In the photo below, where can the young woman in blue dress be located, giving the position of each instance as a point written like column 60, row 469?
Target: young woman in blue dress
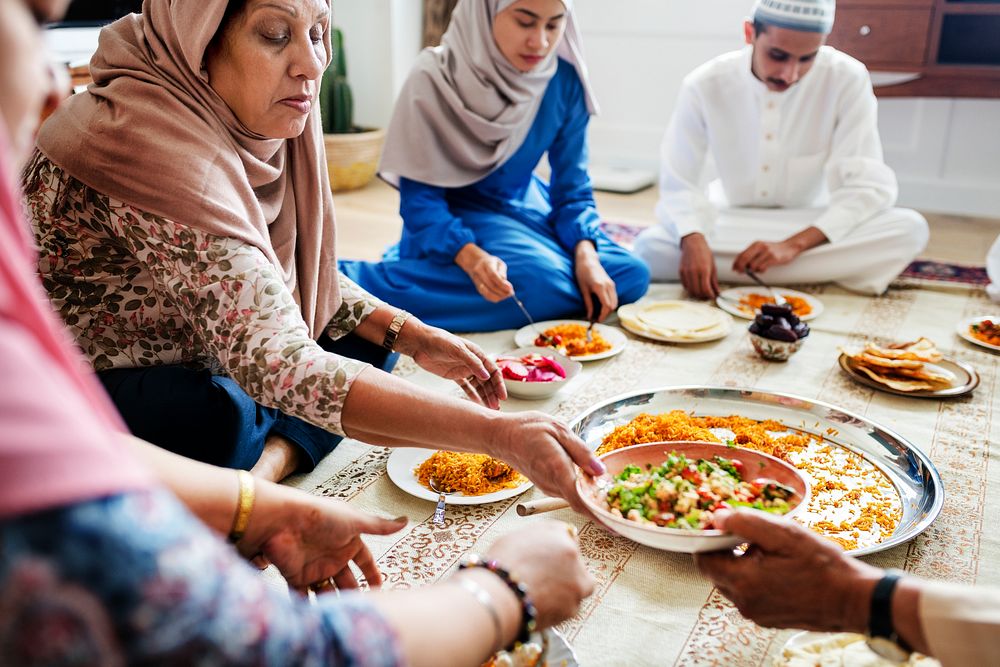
column 507, row 86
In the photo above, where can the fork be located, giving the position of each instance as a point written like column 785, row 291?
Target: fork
column 778, row 299
column 438, row 519
column 541, row 334
column 594, row 302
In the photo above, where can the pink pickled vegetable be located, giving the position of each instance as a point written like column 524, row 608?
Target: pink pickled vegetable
column 531, row 368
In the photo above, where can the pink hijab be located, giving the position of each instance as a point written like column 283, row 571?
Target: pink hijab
column 59, row 433
column 152, row 133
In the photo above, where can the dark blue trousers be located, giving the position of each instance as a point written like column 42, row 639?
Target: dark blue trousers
column 210, row 418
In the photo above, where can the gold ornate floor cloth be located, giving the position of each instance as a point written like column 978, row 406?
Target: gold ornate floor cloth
column 653, row 608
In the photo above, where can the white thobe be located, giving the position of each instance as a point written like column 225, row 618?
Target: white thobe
column 961, row 623
column 741, row 163
column 993, row 270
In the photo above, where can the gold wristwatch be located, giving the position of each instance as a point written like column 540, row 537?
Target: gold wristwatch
column 392, row 331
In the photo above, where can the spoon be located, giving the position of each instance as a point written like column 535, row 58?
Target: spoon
column 438, row 519
column 778, row 299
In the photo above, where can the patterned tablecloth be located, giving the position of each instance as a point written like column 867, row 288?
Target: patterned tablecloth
column 652, row 607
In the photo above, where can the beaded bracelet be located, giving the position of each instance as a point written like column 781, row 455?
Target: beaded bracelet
column 529, row 616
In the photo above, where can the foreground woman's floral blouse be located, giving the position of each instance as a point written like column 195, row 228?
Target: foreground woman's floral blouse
column 135, row 579
column 138, row 290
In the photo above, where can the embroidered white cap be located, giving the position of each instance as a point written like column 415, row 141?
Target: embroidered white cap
column 805, row 15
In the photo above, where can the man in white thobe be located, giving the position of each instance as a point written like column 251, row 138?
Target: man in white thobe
column 772, row 163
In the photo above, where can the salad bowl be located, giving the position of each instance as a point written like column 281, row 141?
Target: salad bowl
column 755, row 466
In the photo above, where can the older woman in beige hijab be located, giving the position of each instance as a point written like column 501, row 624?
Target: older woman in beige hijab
column 94, row 543
column 187, row 238
column 507, row 86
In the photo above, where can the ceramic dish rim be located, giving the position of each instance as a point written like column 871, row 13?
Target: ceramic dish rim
column 844, row 361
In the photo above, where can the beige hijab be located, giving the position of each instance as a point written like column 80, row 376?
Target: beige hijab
column 152, row 133
column 464, row 110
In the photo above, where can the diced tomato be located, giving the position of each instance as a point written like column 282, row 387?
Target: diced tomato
column 692, row 476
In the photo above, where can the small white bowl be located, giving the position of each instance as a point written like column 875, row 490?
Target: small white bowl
column 540, row 390
column 775, row 350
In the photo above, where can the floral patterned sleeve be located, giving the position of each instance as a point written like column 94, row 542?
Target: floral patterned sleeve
column 243, row 315
column 136, row 579
column 356, row 305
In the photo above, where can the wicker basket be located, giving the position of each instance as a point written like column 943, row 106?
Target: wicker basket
column 353, row 158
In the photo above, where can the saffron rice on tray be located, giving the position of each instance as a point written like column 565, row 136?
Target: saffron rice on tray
column 852, row 501
column 470, row 474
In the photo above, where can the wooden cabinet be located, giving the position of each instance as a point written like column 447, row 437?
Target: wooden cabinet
column 948, row 48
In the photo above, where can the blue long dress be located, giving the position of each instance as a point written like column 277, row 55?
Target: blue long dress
column 513, row 214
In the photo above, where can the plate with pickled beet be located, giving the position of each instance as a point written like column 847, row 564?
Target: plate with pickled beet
column 746, row 302
column 569, row 337
column 536, row 372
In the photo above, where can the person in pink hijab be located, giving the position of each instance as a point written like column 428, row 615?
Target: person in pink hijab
column 101, row 565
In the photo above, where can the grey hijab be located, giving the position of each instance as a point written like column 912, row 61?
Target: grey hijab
column 464, row 109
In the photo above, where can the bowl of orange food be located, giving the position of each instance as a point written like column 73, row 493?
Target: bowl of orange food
column 665, row 494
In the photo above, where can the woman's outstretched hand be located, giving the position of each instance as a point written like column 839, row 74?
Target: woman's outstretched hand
column 546, row 451
column 546, row 557
column 312, row 539
column 448, row 356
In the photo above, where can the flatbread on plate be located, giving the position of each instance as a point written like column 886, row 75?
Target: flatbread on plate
column 895, row 382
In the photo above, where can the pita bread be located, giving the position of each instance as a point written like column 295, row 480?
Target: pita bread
column 922, row 349
column 895, row 382
column 873, row 360
column 678, row 316
column 675, row 321
column 931, row 373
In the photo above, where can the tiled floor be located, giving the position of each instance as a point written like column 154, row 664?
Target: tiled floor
column 368, row 221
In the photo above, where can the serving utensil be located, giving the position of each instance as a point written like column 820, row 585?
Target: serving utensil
column 778, row 299
column 540, row 506
column 438, row 519
column 541, row 334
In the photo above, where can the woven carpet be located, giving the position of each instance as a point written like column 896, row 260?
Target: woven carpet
column 921, row 270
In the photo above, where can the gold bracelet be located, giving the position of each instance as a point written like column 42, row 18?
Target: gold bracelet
column 392, row 331
column 244, row 507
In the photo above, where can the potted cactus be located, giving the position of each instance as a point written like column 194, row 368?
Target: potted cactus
column 352, row 153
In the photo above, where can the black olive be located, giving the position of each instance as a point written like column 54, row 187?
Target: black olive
column 773, row 309
column 780, row 333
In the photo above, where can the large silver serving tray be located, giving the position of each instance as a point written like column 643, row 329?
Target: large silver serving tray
column 916, row 479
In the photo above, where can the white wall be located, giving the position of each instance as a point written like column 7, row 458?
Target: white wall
column 382, row 38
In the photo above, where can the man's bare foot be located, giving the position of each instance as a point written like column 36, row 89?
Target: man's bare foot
column 279, row 459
